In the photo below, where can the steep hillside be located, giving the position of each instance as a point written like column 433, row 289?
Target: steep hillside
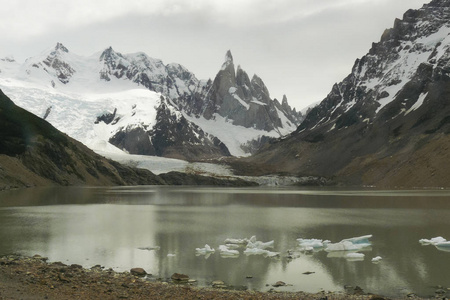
column 388, row 122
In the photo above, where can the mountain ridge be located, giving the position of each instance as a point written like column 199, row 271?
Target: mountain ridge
column 222, row 128
column 387, row 122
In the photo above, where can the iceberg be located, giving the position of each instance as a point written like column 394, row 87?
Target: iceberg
column 271, row 254
column 253, row 243
column 257, row 251
column 439, row 242
column 354, row 256
column 377, row 259
column 351, row 244
column 204, row 251
column 236, row 241
column 343, row 246
column 359, row 240
column 443, row 246
column 433, row 241
column 314, row 243
column 234, row 246
column 225, row 252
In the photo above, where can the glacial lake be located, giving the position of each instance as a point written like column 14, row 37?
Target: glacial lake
column 113, row 226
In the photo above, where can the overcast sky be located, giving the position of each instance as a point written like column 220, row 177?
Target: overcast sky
column 298, row 47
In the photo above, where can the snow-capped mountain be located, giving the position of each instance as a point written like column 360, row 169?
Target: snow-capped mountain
column 142, row 106
column 415, row 47
column 386, row 122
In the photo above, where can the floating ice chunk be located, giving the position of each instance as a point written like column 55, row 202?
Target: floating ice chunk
column 352, row 244
column 171, row 255
column 234, row 246
column 253, row 243
column 314, row 243
column 377, row 259
column 258, row 251
column 236, row 241
column 260, row 245
column 271, row 254
column 204, row 251
column 343, row 246
column 443, row 246
column 359, row 240
column 433, row 241
column 224, row 251
column 354, row 256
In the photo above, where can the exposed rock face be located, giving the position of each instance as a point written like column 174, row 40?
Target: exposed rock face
column 55, row 64
column 246, row 102
column 394, row 105
column 231, row 95
column 172, row 80
column 172, row 136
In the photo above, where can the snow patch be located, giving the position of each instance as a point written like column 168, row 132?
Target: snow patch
column 418, row 103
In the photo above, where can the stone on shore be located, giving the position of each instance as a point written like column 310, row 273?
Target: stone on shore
column 179, row 277
column 138, row 272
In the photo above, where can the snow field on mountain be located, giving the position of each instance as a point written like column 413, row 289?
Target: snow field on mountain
column 233, row 136
column 405, row 67
column 75, row 114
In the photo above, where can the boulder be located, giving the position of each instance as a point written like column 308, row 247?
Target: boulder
column 138, row 272
column 179, row 277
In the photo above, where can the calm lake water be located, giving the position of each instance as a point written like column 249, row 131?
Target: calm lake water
column 107, row 226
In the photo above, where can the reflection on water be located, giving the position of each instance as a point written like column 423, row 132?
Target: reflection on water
column 113, row 226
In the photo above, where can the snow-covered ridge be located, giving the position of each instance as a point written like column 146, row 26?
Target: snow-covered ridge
column 420, row 40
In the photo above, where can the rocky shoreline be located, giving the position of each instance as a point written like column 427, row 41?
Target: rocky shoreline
column 34, row 278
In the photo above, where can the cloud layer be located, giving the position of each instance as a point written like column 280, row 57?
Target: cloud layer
column 299, row 47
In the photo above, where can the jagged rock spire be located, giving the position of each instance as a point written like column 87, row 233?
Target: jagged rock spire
column 228, row 61
column 60, row 46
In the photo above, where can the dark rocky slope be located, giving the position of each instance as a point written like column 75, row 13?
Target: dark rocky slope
column 388, row 122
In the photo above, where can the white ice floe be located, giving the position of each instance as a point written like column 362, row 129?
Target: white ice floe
column 253, row 243
column 225, row 252
column 234, row 246
column 353, row 256
column 360, row 240
column 204, row 251
column 352, row 244
column 439, row 242
column 171, row 255
column 377, row 259
column 433, row 241
column 443, row 246
column 258, row 251
column 236, row 241
column 312, row 243
column 272, row 254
